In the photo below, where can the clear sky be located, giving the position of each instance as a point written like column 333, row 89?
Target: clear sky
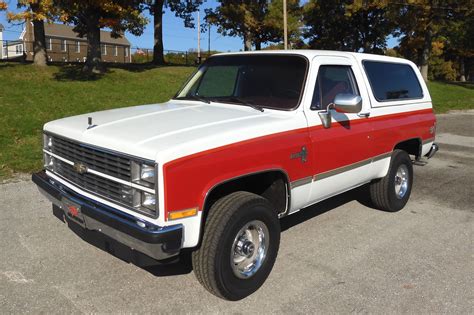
column 175, row 35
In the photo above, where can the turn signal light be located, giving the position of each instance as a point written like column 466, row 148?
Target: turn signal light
column 182, row 214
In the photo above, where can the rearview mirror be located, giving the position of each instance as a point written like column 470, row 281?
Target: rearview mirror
column 348, row 103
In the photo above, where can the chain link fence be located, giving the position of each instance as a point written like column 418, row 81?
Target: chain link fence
column 75, row 51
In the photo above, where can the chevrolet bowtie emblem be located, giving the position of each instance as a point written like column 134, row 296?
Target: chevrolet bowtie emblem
column 80, row 168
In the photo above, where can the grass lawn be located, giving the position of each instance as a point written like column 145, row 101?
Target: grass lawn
column 31, row 96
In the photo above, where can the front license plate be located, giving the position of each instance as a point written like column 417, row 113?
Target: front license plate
column 73, row 211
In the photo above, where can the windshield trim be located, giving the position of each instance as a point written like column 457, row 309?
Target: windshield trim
column 303, row 85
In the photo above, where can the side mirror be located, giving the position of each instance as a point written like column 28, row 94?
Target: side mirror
column 326, row 117
column 348, row 103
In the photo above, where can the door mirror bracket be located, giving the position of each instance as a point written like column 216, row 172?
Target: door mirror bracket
column 326, row 117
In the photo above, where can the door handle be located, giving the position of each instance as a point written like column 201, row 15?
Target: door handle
column 364, row 114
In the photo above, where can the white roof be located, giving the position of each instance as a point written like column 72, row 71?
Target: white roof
column 311, row 53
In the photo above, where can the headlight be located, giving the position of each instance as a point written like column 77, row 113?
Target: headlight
column 143, row 174
column 148, row 201
column 47, row 142
column 147, row 173
column 48, row 162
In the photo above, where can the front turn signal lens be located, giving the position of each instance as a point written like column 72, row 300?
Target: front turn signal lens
column 175, row 215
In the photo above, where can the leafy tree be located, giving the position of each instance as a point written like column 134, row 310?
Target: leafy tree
column 3, row 5
column 422, row 22
column 36, row 12
column 182, row 9
column 273, row 22
column 348, row 25
column 89, row 16
column 244, row 18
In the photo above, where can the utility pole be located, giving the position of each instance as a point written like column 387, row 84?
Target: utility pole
column 285, row 26
column 199, row 38
column 209, row 40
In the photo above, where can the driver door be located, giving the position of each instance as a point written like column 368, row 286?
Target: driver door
column 341, row 153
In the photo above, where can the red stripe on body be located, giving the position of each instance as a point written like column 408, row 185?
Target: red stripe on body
column 188, row 179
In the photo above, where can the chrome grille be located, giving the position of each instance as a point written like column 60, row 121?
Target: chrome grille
column 100, row 161
column 106, row 188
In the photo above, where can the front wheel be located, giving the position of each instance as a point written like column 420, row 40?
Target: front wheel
column 392, row 192
column 239, row 246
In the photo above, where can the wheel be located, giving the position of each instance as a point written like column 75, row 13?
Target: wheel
column 239, row 246
column 391, row 193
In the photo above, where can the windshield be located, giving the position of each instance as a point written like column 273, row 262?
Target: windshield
column 264, row 80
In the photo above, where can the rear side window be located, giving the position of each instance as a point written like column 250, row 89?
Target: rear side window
column 392, row 81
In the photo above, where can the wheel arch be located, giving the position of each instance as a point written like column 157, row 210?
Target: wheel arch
column 412, row 146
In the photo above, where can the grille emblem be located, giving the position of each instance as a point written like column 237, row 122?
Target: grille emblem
column 80, row 168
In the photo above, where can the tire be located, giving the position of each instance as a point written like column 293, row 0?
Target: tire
column 218, row 263
column 389, row 193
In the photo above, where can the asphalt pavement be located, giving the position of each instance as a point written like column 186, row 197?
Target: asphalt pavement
column 336, row 257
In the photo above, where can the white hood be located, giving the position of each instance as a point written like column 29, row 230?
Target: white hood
column 173, row 129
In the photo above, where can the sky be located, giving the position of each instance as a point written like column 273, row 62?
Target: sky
column 175, row 35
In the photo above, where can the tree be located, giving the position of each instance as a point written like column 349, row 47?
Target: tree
column 422, row 22
column 36, row 12
column 182, row 9
column 348, row 25
column 244, row 19
column 89, row 16
column 273, row 21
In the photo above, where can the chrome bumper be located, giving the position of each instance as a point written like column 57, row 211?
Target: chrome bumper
column 433, row 150
column 157, row 242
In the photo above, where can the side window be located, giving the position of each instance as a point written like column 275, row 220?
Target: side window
column 392, row 81
column 333, row 80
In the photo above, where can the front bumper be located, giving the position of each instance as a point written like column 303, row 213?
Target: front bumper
column 157, row 242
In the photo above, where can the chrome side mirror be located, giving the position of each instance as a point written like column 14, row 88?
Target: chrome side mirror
column 326, row 117
column 348, row 103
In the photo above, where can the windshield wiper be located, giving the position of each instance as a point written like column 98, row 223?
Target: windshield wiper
column 238, row 100
column 194, row 97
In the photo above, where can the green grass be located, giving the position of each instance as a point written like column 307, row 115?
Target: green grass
column 451, row 96
column 31, row 96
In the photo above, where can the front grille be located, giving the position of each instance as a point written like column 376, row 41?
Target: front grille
column 98, row 160
column 104, row 162
column 106, row 188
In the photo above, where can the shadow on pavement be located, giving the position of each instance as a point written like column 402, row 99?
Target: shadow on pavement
column 182, row 264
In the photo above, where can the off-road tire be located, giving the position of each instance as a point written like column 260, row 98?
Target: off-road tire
column 382, row 191
column 212, row 260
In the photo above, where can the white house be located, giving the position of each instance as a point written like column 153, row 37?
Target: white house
column 11, row 49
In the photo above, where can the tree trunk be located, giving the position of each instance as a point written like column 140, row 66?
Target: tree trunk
column 158, row 56
column 39, row 40
column 94, row 58
column 426, row 53
column 462, row 69
column 258, row 45
column 247, row 42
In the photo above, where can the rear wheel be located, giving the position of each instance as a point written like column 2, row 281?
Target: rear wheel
column 391, row 193
column 239, row 246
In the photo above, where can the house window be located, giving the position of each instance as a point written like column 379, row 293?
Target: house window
column 126, row 51
column 19, row 49
column 104, row 49
column 63, row 45
column 116, row 50
column 78, row 46
column 49, row 44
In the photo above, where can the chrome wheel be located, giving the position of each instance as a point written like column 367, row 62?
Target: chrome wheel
column 401, row 181
column 249, row 249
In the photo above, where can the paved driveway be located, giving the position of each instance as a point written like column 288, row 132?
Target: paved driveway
column 338, row 256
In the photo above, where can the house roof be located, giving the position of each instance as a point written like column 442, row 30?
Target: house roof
column 62, row 30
